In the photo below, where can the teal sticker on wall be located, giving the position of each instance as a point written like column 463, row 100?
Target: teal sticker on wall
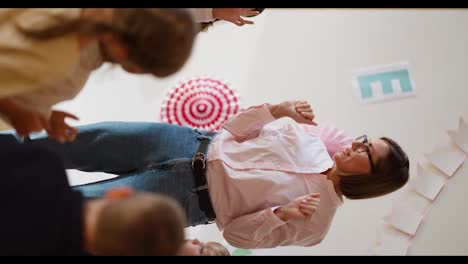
column 241, row 252
column 383, row 83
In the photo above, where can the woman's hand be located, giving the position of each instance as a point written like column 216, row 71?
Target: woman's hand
column 234, row 15
column 303, row 108
column 299, row 111
column 301, row 208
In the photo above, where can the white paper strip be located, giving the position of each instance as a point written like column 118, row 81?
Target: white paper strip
column 447, row 160
column 460, row 137
column 390, row 241
column 427, row 183
column 413, row 200
column 405, row 218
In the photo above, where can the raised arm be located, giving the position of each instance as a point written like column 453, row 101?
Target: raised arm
column 272, row 227
column 248, row 123
column 299, row 111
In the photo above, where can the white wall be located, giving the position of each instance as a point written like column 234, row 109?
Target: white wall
column 310, row 54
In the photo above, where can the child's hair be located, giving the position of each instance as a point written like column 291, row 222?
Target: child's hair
column 205, row 25
column 158, row 40
column 214, row 249
column 142, row 224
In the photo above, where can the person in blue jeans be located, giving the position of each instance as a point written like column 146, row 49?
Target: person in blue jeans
column 137, row 152
column 154, row 157
column 270, row 186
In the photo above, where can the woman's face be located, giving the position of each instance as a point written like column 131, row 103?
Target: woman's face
column 358, row 158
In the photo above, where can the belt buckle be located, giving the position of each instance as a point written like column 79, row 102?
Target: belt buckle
column 199, row 156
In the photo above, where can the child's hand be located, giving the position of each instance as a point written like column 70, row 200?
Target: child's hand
column 59, row 130
column 234, row 15
column 25, row 121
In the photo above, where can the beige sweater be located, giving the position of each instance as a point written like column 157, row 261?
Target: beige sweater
column 38, row 74
column 26, row 63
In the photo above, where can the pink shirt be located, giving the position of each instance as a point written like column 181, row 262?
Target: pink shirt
column 252, row 169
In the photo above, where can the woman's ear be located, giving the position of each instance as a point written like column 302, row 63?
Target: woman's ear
column 119, row 192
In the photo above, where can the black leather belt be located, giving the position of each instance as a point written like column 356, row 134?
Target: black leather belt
column 199, row 173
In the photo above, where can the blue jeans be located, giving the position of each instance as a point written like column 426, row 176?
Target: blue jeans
column 151, row 157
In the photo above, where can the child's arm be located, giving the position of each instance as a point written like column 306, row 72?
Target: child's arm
column 235, row 15
column 23, row 120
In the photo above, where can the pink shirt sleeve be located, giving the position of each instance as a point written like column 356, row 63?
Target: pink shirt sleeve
column 249, row 123
column 264, row 229
column 257, row 230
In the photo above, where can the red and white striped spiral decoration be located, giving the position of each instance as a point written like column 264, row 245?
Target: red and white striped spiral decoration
column 204, row 103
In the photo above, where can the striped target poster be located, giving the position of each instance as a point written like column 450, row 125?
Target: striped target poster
column 201, row 102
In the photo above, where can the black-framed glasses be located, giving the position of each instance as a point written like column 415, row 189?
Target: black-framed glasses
column 363, row 145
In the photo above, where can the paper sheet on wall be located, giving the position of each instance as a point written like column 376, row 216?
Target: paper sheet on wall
column 404, row 218
column 414, row 200
column 411, row 207
column 460, row 137
column 383, row 82
column 427, row 183
column 391, row 241
column 448, row 160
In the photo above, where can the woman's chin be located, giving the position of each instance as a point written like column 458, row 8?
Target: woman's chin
column 338, row 156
